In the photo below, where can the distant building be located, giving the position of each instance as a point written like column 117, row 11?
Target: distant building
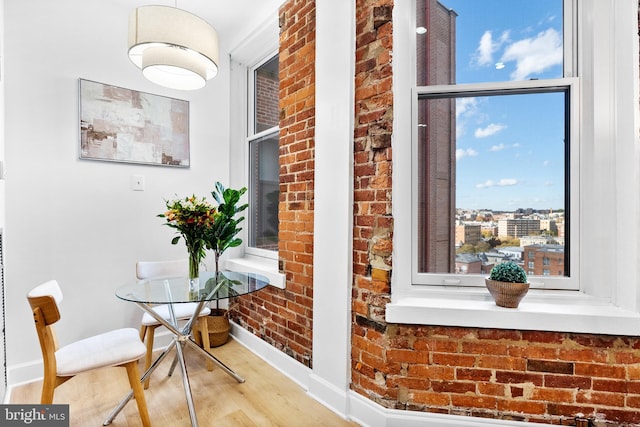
column 544, row 260
column 496, row 257
column 490, row 228
column 514, row 252
column 549, row 225
column 538, row 240
column 468, row 264
column 435, row 58
column 518, row 227
column 468, row 234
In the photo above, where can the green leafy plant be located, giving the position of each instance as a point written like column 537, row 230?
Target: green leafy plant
column 221, row 235
column 508, row 272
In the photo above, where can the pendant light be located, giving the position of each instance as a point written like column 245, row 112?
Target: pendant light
column 173, row 47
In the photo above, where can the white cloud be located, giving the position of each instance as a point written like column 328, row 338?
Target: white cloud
column 485, row 184
column 492, row 129
column 498, row 147
column 465, row 106
column 504, row 182
column 534, row 55
column 507, row 182
column 487, row 47
column 469, row 152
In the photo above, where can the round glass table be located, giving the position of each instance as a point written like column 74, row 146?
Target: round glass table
column 180, row 290
column 177, row 290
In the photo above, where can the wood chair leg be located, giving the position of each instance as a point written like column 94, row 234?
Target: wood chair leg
column 143, row 332
column 48, row 386
column 204, row 334
column 148, row 358
column 138, row 392
column 195, row 330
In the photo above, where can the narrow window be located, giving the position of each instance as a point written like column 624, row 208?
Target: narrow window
column 264, row 170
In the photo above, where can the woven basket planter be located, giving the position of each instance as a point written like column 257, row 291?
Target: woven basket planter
column 507, row 294
column 218, row 325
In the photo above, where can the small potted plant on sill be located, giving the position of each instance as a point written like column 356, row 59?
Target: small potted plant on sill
column 507, row 284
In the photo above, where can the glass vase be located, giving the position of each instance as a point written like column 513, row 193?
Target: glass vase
column 194, row 271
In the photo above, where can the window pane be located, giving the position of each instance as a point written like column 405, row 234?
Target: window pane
column 266, row 83
column 265, row 192
column 492, row 182
column 472, row 41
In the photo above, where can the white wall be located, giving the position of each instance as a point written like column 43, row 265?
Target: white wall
column 74, row 220
column 2, row 192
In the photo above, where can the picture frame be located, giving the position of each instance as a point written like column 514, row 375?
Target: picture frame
column 129, row 126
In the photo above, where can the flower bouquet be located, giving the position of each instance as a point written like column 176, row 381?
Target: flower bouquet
column 192, row 217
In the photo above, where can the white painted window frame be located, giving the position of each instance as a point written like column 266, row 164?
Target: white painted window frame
column 608, row 297
column 261, row 45
column 252, row 135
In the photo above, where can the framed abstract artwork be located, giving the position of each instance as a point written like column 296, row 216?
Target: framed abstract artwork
column 124, row 125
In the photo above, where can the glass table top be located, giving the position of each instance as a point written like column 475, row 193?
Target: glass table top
column 178, row 289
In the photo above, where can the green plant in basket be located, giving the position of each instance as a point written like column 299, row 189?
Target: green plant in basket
column 508, row 272
column 507, row 284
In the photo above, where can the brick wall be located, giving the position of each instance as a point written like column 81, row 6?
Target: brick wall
column 543, row 377
column 283, row 318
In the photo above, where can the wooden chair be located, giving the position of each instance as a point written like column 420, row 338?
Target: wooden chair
column 175, row 268
column 120, row 347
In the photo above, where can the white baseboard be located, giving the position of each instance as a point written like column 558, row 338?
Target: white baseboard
column 288, row 366
column 24, row 373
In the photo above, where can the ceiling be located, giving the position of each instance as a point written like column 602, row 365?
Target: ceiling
column 228, row 17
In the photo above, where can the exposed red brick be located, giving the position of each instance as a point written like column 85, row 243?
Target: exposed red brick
column 600, row 398
column 567, row 381
column 553, row 395
column 511, row 377
column 549, row 366
column 600, row 370
column 523, row 406
column 453, row 359
column 474, row 374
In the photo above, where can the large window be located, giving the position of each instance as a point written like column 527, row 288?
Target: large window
column 263, row 167
column 493, row 147
column 493, row 114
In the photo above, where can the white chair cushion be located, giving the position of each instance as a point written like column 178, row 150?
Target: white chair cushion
column 109, row 349
column 182, row 312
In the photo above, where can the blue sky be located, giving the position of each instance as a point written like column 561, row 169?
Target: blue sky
column 510, row 149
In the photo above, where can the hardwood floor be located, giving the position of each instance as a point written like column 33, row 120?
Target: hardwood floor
column 267, row 398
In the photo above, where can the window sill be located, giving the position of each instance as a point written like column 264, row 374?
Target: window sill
column 558, row 311
column 253, row 264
